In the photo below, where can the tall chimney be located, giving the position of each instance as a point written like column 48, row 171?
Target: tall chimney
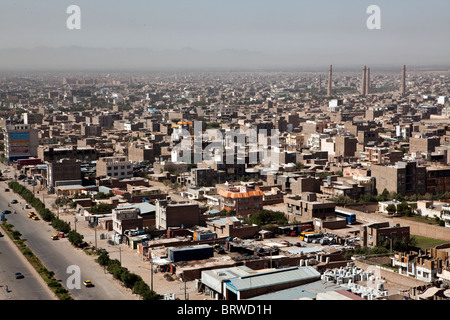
column 368, row 81
column 403, row 84
column 363, row 81
column 330, row 77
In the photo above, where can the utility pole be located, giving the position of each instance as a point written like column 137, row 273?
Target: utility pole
column 151, row 272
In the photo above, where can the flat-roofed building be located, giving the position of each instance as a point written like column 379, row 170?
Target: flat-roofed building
column 21, row 142
column 175, row 214
column 307, row 206
column 114, row 167
column 248, row 286
column 243, row 200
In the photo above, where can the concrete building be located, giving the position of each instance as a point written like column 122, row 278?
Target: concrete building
column 63, row 172
column 345, row 146
column 126, row 219
column 375, row 234
column 242, row 200
column 54, row 154
column 248, row 286
column 423, row 267
column 91, row 130
column 438, row 179
column 231, row 227
column 115, row 167
column 175, row 214
column 307, row 206
column 405, row 178
column 140, row 152
column 21, row 142
column 423, row 144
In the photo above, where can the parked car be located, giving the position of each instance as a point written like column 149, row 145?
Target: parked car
column 6, row 211
column 18, row 275
column 14, row 201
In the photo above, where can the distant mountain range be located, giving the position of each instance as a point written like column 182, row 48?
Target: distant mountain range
column 84, row 58
column 75, row 58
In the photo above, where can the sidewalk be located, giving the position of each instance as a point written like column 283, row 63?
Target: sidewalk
column 130, row 259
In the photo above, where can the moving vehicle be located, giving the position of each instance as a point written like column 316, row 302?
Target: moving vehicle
column 1, row 234
column 6, row 211
column 88, row 283
column 18, row 275
column 350, row 217
column 14, row 201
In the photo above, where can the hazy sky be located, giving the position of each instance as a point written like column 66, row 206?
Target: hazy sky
column 321, row 31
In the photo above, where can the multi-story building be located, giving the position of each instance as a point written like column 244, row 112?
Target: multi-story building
column 21, row 142
column 374, row 234
column 295, row 141
column 405, row 178
column 438, row 179
column 445, row 215
column 243, row 200
column 115, row 167
column 423, row 267
column 81, row 153
column 140, row 152
column 91, row 130
column 423, row 144
column 62, row 172
column 345, row 146
column 125, row 219
column 176, row 214
column 307, row 206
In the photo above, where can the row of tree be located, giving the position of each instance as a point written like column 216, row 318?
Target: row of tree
column 60, row 225
column 129, row 280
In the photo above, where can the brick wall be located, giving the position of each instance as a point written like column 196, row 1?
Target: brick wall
column 425, row 230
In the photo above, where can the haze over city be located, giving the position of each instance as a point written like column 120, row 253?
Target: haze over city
column 223, row 151
column 247, row 34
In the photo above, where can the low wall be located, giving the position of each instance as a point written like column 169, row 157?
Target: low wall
column 391, row 276
column 424, row 230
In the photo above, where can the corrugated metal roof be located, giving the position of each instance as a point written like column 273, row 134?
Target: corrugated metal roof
column 273, row 277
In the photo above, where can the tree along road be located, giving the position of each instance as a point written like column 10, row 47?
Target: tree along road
column 61, row 257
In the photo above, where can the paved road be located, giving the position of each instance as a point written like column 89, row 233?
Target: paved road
column 59, row 255
column 31, row 287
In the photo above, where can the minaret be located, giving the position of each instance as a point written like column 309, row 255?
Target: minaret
column 330, row 77
column 403, row 84
column 363, row 81
column 368, row 81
